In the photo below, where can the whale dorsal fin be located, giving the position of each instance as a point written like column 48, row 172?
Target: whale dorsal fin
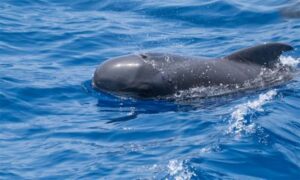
column 265, row 54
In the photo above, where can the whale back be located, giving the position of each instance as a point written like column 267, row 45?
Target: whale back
column 266, row 55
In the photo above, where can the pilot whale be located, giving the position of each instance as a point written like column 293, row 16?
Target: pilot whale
column 152, row 75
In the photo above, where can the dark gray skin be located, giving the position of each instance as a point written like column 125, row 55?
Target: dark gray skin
column 152, row 75
column 292, row 11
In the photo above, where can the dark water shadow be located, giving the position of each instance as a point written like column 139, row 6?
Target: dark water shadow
column 291, row 11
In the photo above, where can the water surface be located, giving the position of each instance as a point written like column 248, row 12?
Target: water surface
column 53, row 125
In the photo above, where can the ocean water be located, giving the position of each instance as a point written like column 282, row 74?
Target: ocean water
column 54, row 125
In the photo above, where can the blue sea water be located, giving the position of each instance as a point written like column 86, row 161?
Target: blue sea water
column 53, row 125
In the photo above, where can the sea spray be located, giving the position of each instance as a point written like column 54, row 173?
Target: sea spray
column 238, row 123
column 179, row 171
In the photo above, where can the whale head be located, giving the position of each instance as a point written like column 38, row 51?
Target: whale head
column 130, row 75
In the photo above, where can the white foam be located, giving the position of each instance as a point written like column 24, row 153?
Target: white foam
column 179, row 171
column 200, row 92
column 132, row 111
column 289, row 61
column 238, row 123
column 211, row 148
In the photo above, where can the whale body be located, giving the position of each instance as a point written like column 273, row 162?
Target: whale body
column 151, row 75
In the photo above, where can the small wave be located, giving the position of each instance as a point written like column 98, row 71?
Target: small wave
column 239, row 124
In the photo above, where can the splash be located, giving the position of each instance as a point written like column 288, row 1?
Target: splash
column 199, row 92
column 289, row 61
column 239, row 124
column 178, row 171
